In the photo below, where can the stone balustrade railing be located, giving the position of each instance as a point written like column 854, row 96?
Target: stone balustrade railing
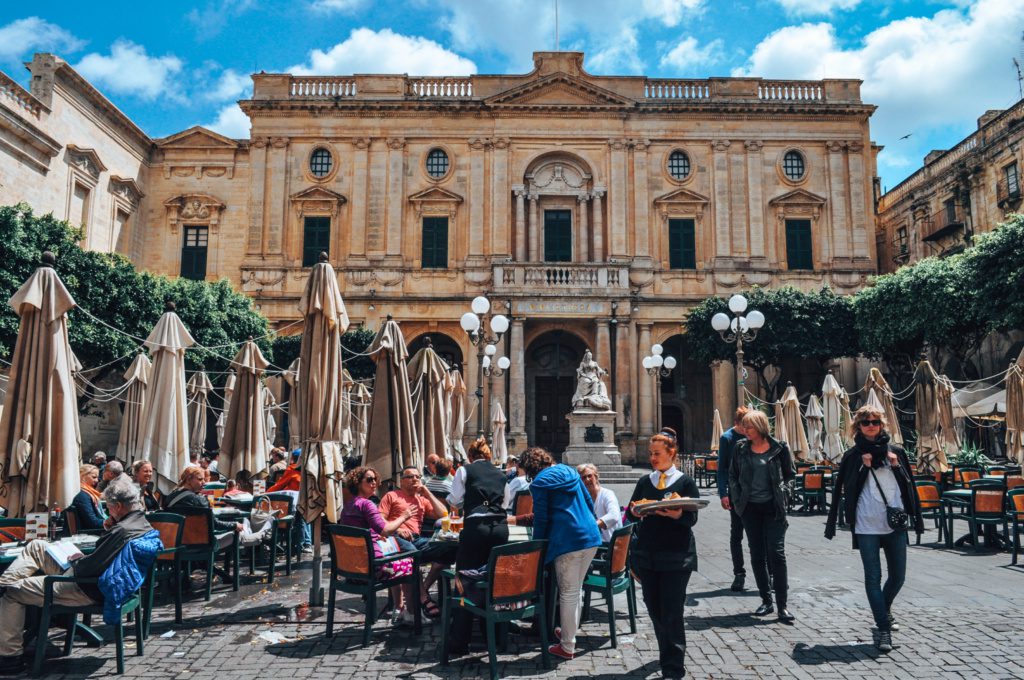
column 19, row 97
column 322, row 87
column 561, row 276
column 790, row 90
column 439, row 88
column 677, row 89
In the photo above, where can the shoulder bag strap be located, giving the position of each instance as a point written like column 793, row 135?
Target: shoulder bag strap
column 884, row 499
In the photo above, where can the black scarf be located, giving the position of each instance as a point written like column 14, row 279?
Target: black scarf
column 878, row 448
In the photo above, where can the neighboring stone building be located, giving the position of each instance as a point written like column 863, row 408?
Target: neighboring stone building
column 593, row 210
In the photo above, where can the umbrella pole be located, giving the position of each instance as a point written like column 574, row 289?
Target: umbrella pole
column 316, row 591
column 391, row 429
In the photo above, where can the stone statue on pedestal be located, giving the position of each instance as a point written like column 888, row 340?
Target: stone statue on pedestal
column 591, row 392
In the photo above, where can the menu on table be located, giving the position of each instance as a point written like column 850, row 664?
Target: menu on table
column 37, row 525
column 259, row 487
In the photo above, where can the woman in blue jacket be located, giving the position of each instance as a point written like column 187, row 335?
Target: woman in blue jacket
column 563, row 513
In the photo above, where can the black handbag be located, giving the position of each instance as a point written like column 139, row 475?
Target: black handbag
column 896, row 518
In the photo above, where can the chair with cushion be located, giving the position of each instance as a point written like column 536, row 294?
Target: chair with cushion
column 514, row 591
column 201, row 544
column 12, row 530
column 355, row 570
column 996, row 470
column 1013, row 481
column 812, row 490
column 985, row 509
column 964, row 476
column 1015, row 514
column 609, row 577
column 523, row 503
column 711, row 472
column 167, row 568
column 929, row 496
column 280, row 537
column 214, row 491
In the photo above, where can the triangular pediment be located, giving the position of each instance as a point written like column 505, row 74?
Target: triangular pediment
column 681, row 196
column 317, row 194
column 198, row 137
column 559, row 89
column 798, row 197
column 436, row 195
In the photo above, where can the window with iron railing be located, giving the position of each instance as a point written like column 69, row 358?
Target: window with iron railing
column 1008, row 187
column 901, row 243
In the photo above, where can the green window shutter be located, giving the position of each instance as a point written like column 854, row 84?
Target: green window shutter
column 316, row 239
column 682, row 244
column 435, row 242
column 193, row 253
column 557, row 236
column 799, row 253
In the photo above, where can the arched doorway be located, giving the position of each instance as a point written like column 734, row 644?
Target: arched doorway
column 551, row 362
column 445, row 346
column 686, row 399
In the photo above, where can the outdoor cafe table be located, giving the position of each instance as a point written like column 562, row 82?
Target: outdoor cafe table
column 959, row 499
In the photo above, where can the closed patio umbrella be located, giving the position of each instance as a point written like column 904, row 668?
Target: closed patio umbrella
column 428, row 376
column 781, row 433
column 1015, row 410
column 947, row 425
column 222, row 419
column 815, row 420
column 391, row 439
column 165, row 418
column 198, row 390
column 129, row 440
column 499, row 447
column 291, row 376
column 794, row 423
column 269, row 407
column 245, row 430
column 40, row 445
column 931, row 455
column 457, row 417
column 346, row 411
column 359, row 394
column 716, row 431
column 832, row 406
column 884, row 393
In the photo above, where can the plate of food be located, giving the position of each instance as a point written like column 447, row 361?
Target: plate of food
column 672, row 502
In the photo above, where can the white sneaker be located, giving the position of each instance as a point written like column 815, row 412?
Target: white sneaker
column 402, row 618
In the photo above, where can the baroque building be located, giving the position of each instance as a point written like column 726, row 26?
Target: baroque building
column 592, row 210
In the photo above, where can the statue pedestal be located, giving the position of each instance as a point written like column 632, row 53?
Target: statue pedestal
column 591, row 438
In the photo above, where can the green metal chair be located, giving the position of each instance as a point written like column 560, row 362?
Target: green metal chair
column 49, row 609
column 200, row 544
column 280, row 532
column 167, row 568
column 610, row 576
column 522, row 504
column 929, row 498
column 1015, row 514
column 812, row 489
column 354, row 569
column 514, row 591
column 987, row 508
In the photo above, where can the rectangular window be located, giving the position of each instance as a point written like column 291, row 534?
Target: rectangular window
column 316, row 239
column 682, row 248
column 435, row 242
column 798, row 245
column 950, row 208
column 78, row 213
column 557, row 236
column 193, row 253
column 1012, row 180
column 902, row 242
column 120, row 228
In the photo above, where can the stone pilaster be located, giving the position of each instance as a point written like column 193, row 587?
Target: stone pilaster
column 277, row 164
column 396, row 196
column 858, row 202
column 641, row 205
column 583, row 229
column 645, row 424
column 755, row 198
column 623, row 361
column 617, row 204
column 603, row 350
column 720, row 193
column 500, row 242
column 476, row 200
column 599, row 239
column 534, row 229
column 258, row 182
column 357, row 200
column 520, row 194
column 376, row 192
column 517, row 386
column 837, row 185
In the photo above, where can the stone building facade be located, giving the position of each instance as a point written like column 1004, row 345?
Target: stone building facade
column 592, row 210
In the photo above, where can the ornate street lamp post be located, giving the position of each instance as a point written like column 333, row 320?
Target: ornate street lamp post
column 741, row 328
column 473, row 322
column 660, row 367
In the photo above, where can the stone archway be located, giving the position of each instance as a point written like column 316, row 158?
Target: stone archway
column 551, row 362
column 445, row 346
column 686, row 399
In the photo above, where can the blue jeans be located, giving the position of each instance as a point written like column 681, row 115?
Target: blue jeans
column 895, row 547
column 302, row 532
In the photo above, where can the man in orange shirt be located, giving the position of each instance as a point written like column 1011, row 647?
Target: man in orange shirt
column 290, row 480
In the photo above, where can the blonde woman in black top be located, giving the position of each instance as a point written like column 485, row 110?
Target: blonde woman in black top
column 665, row 552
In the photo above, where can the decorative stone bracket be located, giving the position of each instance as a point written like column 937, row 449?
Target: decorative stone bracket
column 200, row 208
column 317, row 201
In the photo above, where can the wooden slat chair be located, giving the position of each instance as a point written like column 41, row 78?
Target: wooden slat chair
column 1015, row 514
column 200, row 544
column 698, row 468
column 167, row 568
column 12, row 530
column 987, row 508
column 609, row 577
column 354, row 570
column 1013, row 481
column 280, row 532
column 964, row 476
column 929, row 495
column 514, row 591
column 711, row 472
column 523, row 503
column 72, row 524
column 996, row 470
column 214, row 491
column 811, row 489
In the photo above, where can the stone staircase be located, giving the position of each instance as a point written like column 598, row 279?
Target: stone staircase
column 621, row 474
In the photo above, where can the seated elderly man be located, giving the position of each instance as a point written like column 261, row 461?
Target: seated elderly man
column 22, row 583
column 111, row 470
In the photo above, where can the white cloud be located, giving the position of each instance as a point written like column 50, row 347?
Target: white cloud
column 20, row 38
column 621, row 55
column 669, row 12
column 129, row 70
column 230, row 85
column 231, row 122
column 337, row 5
column 215, row 15
column 688, row 54
column 804, row 8
column 369, row 51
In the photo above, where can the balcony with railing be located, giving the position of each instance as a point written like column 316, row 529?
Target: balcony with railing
column 948, row 222
column 560, row 277
column 900, row 249
column 1008, row 193
column 17, row 97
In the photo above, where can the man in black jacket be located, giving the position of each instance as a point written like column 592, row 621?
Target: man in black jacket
column 23, row 582
column 726, row 444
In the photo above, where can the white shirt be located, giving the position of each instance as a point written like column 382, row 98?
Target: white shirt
column 518, row 483
column 671, row 475
column 871, row 507
column 606, row 509
column 458, row 493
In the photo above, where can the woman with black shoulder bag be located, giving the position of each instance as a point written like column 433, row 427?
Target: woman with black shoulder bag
column 881, row 505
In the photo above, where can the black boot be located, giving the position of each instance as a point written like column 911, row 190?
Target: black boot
column 738, row 583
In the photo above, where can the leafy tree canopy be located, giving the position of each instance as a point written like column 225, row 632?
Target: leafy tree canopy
column 995, row 274
column 354, row 344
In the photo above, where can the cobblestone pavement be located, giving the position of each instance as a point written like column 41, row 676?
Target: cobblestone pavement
column 961, row 616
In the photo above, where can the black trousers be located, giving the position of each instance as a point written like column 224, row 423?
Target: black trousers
column 665, row 597
column 736, row 543
column 479, row 535
column 766, row 537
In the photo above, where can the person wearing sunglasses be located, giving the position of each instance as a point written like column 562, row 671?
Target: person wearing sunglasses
column 873, row 480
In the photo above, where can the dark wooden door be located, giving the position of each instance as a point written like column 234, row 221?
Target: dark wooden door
column 557, row 236
column 552, row 402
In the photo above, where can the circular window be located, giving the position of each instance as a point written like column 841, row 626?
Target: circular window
column 679, row 165
column 437, row 163
column 793, row 166
column 321, row 162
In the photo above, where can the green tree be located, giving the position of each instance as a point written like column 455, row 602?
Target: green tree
column 995, row 274
column 354, row 344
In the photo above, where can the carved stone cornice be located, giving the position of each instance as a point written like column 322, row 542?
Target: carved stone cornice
column 317, row 201
column 720, row 145
column 279, row 142
column 477, row 144
column 753, row 145
column 361, row 142
column 396, row 143
column 86, row 160
column 640, row 144
column 126, row 191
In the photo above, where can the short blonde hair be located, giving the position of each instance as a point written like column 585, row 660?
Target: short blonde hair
column 87, row 469
column 758, row 422
column 584, row 468
column 867, row 412
column 189, row 471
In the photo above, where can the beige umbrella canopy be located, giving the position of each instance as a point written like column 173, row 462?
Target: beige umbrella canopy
column 831, row 396
column 883, row 392
column 457, row 416
column 931, row 456
column 716, row 430
column 947, row 425
column 815, row 420
column 245, row 430
column 499, row 447
column 1015, row 410
column 222, row 419
column 291, row 376
column 346, row 411
column 40, row 446
column 794, row 423
column 428, row 376
column 781, row 433
column 129, row 441
column 198, row 390
column 360, row 397
column 165, row 417
column 391, row 440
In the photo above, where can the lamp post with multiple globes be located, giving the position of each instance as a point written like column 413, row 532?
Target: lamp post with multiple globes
column 474, row 323
column 739, row 329
column 659, row 366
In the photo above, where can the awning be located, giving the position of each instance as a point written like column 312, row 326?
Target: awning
column 980, row 400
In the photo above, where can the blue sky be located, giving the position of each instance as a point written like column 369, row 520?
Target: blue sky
column 932, row 67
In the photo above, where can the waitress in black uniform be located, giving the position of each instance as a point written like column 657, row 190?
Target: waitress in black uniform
column 665, row 552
